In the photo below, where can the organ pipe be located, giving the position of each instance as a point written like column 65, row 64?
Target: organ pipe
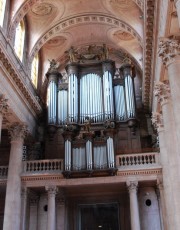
column 89, row 154
column 62, row 106
column 127, row 71
column 120, row 106
column 108, row 73
column 110, row 152
column 52, row 97
column 67, row 155
column 91, row 98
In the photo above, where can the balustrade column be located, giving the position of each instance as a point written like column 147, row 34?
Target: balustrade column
column 3, row 110
column 52, row 190
column 134, row 208
column 172, row 165
column 12, row 213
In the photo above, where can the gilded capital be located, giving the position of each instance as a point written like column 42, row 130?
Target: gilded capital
column 18, row 131
column 157, row 120
column 132, row 186
column 162, row 92
column 3, row 104
column 169, row 49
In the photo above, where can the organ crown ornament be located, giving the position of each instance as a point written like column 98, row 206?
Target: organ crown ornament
column 169, row 49
column 162, row 92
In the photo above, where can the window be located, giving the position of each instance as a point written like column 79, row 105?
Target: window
column 19, row 40
column 2, row 11
column 34, row 70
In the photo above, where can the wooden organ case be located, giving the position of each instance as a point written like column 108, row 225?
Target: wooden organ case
column 96, row 113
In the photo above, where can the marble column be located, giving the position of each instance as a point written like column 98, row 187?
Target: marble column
column 161, row 203
column 134, row 208
column 33, row 211
column 165, row 200
column 169, row 51
column 3, row 110
column 52, row 190
column 24, row 204
column 61, row 210
column 12, row 213
column 177, row 4
column 171, row 169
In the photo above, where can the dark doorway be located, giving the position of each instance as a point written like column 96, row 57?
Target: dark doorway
column 99, row 217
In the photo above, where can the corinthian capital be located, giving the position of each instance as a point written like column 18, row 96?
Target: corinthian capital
column 3, row 104
column 162, row 92
column 18, row 131
column 169, row 49
column 132, row 186
column 157, row 120
column 52, row 190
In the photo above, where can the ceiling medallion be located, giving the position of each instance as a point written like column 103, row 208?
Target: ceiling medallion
column 57, row 41
column 42, row 9
column 122, row 35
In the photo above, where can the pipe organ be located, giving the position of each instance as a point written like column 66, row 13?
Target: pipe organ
column 92, row 97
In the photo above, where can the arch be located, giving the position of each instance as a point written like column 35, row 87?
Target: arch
column 27, row 5
column 79, row 20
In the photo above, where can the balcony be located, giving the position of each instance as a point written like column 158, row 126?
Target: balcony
column 124, row 163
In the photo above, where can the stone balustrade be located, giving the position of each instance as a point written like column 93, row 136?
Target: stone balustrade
column 43, row 166
column 137, row 160
column 3, row 171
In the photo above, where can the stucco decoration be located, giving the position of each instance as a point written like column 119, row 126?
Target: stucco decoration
column 123, row 35
column 42, row 9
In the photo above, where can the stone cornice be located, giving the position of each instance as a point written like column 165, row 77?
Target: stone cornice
column 6, row 63
column 148, row 52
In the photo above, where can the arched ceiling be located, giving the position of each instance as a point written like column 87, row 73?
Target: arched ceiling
column 55, row 26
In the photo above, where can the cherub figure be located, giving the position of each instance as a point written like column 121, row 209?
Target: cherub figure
column 71, row 52
column 53, row 65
